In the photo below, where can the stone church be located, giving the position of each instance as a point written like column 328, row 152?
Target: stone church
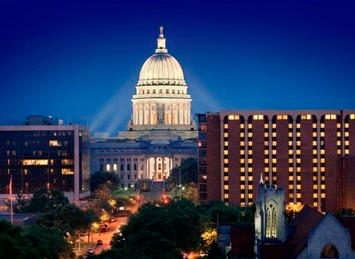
column 308, row 234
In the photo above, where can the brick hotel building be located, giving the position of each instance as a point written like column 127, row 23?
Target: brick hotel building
column 310, row 153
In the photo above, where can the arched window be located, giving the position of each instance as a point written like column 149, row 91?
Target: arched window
column 271, row 222
column 329, row 251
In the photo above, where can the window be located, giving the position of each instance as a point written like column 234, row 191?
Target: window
column 67, row 171
column 270, row 221
column 36, row 162
column 329, row 251
column 54, row 143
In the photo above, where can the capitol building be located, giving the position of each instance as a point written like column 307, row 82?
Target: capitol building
column 161, row 131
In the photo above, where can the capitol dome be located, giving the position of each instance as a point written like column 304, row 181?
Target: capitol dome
column 161, row 68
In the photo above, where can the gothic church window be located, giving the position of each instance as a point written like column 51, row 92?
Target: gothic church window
column 270, row 221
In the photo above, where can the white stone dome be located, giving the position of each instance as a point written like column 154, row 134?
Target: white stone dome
column 161, row 68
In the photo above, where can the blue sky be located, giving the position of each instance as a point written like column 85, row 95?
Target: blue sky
column 80, row 60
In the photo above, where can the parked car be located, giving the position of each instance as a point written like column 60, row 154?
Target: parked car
column 103, row 228
column 90, row 251
column 111, row 220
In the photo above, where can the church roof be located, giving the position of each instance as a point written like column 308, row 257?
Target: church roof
column 300, row 227
column 349, row 223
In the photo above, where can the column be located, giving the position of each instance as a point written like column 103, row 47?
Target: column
column 76, row 194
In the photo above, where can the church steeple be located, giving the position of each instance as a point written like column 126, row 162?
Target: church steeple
column 161, row 42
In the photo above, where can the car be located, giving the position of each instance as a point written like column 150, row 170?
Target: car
column 111, row 220
column 90, row 251
column 99, row 242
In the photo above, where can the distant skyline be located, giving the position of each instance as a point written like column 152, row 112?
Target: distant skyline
column 80, row 60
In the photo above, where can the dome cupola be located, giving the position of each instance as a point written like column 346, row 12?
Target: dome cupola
column 161, row 68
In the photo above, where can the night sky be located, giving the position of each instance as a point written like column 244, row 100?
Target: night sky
column 80, row 60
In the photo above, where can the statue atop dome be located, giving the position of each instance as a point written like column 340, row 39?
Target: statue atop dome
column 161, row 42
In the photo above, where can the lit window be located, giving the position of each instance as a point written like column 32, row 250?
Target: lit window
column 250, row 187
column 290, row 186
column 298, row 126
column 322, row 125
column 67, row 162
column 266, row 126
column 298, row 151
column 250, row 143
column 298, row 195
column 347, row 152
column 322, row 169
column 274, row 143
column 225, row 134
column 352, row 116
column 250, row 160
column 108, row 167
column 314, row 143
column 298, row 169
column 242, row 160
column 226, row 126
column 242, row 195
column 314, row 152
column 274, row 169
column 250, row 134
column 314, row 134
column 266, row 151
column 346, row 125
column 225, row 152
column 242, row 134
column 290, row 169
column 250, row 126
column 115, row 167
column 274, row 126
column 298, row 143
column 274, row 134
column 226, row 187
column 250, row 178
column 315, row 204
column 67, row 171
column 36, row 162
column 242, row 169
column 266, row 143
column 298, row 187
column 266, row 169
column 226, row 143
column 322, row 195
column 242, row 143
column 250, row 169
column 250, row 196
column 290, row 160
column 290, row 134
column 315, row 169
column 54, row 143
column 322, row 151
column 346, row 134
column 250, row 152
column 290, row 126
column 290, row 143
column 314, row 125
column 322, row 186
column 290, row 178
column 242, row 178
column 242, row 152
column 266, row 134
column 242, row 126
column 225, row 161
column 242, row 187
column 226, row 195
column 225, row 178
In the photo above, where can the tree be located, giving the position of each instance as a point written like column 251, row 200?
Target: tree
column 68, row 219
column 44, row 200
column 159, row 232
column 32, row 242
column 188, row 170
column 100, row 177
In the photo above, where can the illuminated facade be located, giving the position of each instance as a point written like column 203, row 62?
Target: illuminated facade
column 310, row 153
column 161, row 132
column 45, row 156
